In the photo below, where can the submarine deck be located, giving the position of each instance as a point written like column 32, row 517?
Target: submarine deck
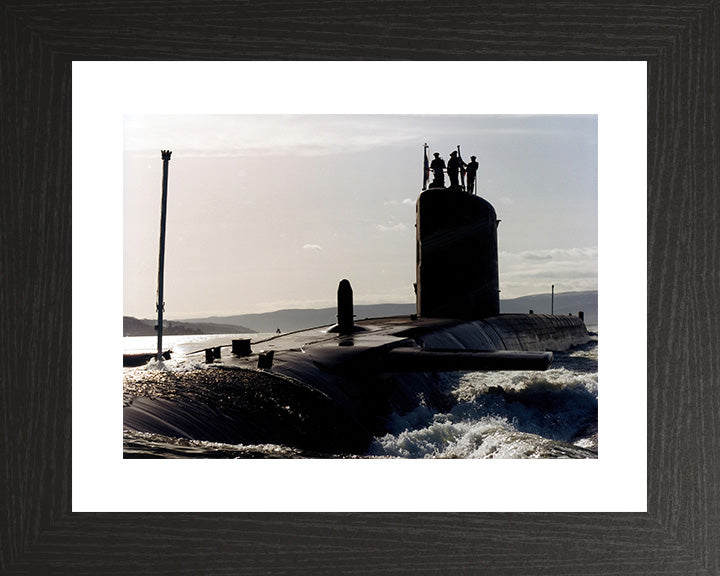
column 511, row 332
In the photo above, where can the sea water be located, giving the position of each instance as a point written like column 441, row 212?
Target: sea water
column 505, row 414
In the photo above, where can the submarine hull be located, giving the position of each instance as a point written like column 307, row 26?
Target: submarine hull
column 330, row 392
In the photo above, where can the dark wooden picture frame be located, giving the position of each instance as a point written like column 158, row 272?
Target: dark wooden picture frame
column 680, row 533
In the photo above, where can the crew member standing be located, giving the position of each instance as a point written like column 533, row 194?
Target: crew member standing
column 472, row 168
column 453, row 169
column 437, row 166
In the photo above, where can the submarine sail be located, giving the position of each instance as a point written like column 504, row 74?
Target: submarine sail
column 457, row 256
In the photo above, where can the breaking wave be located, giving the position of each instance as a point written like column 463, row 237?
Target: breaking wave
column 506, row 415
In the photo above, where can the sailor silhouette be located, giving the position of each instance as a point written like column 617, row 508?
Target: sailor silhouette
column 472, row 168
column 453, row 169
column 437, row 166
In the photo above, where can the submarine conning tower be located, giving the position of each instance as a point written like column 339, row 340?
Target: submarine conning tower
column 456, row 255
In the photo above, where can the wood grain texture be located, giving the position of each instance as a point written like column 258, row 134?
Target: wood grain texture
column 679, row 535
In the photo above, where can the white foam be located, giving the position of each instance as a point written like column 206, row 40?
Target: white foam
column 502, row 415
column 181, row 364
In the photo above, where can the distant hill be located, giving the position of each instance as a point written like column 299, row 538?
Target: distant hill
column 297, row 319
column 145, row 327
column 565, row 303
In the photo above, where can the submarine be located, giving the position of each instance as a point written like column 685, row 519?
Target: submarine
column 332, row 389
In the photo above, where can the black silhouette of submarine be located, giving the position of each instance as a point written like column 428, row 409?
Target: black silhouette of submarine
column 331, row 390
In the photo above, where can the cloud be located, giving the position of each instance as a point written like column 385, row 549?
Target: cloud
column 400, row 227
column 531, row 256
column 533, row 271
column 264, row 135
column 403, row 202
column 311, row 134
column 559, row 254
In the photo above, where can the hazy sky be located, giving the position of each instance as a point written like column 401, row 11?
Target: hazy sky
column 272, row 211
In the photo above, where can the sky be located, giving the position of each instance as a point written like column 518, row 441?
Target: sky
column 267, row 212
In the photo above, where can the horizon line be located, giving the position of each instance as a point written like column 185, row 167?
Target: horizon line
column 223, row 315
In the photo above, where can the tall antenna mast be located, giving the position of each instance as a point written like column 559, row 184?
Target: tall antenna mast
column 161, row 264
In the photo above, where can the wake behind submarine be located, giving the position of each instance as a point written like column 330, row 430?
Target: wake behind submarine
column 332, row 389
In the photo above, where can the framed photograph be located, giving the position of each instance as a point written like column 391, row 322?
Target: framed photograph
column 159, row 519
column 540, row 168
